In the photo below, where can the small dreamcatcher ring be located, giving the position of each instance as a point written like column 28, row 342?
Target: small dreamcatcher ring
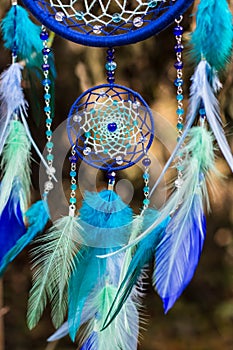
column 107, row 23
column 110, row 127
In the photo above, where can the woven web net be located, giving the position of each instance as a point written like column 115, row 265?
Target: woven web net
column 111, row 129
column 105, row 17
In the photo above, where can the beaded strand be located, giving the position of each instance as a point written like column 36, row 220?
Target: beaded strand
column 178, row 32
column 46, row 82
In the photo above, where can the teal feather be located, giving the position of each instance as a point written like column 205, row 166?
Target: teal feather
column 212, row 38
column 37, row 216
column 15, row 164
column 53, row 263
column 26, row 37
column 143, row 256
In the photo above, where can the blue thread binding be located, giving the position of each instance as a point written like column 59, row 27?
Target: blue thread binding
column 154, row 26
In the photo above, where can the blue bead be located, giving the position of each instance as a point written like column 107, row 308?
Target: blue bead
column 48, row 121
column 46, row 82
column 44, row 35
column 73, row 173
column 146, row 162
column 202, row 111
column 178, row 48
column 73, row 159
column 46, row 51
column 47, row 96
column 45, row 66
column 73, row 200
column 87, row 134
column 47, row 109
column 146, row 201
column 178, row 82
column 112, row 127
column 178, row 30
column 146, row 189
column 179, row 65
column 48, row 133
column 73, row 187
column 179, row 97
column 180, row 111
column 50, row 157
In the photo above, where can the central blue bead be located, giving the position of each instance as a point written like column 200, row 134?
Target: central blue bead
column 112, row 127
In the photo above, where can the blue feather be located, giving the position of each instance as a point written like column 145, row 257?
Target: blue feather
column 212, row 38
column 12, row 228
column 101, row 215
column 178, row 253
column 91, row 343
column 20, row 34
column 143, row 256
column 37, row 216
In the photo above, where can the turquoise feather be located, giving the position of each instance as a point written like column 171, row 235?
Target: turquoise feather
column 26, row 36
column 212, row 38
column 101, row 215
column 37, row 216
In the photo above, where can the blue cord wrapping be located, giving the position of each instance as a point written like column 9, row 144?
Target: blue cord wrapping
column 69, row 28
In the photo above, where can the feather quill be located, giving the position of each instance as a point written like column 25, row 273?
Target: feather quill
column 204, row 83
column 53, row 261
column 178, row 253
column 212, row 38
column 37, row 216
column 15, row 164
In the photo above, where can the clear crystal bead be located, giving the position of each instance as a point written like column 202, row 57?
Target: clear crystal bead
column 97, row 29
column 87, row 151
column 138, row 22
column 59, row 16
column 48, row 185
column 77, row 118
column 119, row 160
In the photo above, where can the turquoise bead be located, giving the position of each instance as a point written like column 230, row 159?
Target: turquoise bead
column 87, row 134
column 110, row 66
column 48, row 121
column 146, row 189
column 180, row 126
column 202, row 111
column 73, row 173
column 50, row 157
column 47, row 96
column 180, row 111
column 49, row 133
column 73, row 200
column 73, row 187
column 180, row 167
column 49, row 144
column 179, row 97
column 47, row 109
column 146, row 201
column 146, row 176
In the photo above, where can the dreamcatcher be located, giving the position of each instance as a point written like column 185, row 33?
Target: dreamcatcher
column 80, row 265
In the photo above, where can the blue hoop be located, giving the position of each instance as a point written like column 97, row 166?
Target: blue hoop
column 121, row 95
column 152, row 27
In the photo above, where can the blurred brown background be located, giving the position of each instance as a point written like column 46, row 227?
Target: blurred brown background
column 202, row 319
